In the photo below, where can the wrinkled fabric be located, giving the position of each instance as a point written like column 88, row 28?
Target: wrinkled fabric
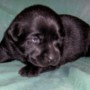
column 71, row 76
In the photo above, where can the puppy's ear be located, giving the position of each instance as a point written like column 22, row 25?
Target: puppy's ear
column 14, row 31
column 4, row 54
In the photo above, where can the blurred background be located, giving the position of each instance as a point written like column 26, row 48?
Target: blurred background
column 71, row 76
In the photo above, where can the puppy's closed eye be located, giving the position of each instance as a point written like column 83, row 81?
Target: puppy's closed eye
column 34, row 39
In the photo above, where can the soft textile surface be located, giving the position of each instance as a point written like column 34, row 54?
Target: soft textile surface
column 71, row 76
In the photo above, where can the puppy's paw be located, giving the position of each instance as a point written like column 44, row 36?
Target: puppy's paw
column 29, row 71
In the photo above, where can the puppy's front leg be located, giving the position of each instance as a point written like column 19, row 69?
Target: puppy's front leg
column 31, row 70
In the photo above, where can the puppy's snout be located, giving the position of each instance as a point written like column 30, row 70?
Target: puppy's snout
column 52, row 56
column 53, row 53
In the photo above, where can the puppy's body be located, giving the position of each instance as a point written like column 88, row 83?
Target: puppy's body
column 76, row 41
column 44, row 40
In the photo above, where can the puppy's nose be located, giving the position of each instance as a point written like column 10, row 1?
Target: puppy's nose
column 51, row 58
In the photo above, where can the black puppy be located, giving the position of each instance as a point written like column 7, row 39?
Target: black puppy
column 44, row 40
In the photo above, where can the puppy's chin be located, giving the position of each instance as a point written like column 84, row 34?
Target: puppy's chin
column 43, row 63
column 36, row 63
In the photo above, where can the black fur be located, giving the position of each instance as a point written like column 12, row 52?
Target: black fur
column 44, row 40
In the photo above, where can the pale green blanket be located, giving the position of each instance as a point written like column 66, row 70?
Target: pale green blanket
column 71, row 76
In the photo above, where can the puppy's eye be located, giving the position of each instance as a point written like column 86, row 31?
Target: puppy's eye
column 35, row 39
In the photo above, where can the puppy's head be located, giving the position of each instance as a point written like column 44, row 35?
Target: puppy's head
column 37, row 31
